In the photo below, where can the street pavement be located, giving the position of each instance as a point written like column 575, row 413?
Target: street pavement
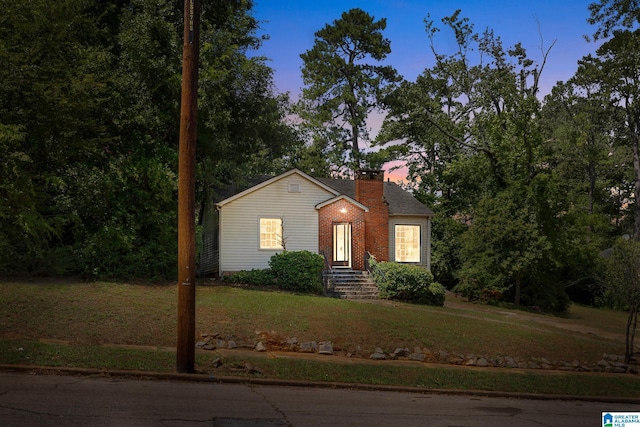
column 51, row 400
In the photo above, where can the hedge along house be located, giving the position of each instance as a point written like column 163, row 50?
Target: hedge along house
column 339, row 218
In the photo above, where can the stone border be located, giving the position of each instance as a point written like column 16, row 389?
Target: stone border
column 610, row 363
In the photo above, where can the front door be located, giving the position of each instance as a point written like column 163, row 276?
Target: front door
column 342, row 244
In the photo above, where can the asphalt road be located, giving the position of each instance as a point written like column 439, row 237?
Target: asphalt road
column 48, row 400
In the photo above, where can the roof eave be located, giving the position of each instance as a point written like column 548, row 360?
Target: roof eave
column 263, row 184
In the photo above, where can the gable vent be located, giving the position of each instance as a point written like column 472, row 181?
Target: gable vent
column 295, row 187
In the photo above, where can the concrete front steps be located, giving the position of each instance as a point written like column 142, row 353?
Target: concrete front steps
column 349, row 284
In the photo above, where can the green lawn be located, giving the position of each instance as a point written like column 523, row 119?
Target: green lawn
column 86, row 316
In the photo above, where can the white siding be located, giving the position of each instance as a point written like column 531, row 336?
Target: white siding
column 425, row 236
column 240, row 222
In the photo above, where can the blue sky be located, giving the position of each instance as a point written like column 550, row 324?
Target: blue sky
column 292, row 24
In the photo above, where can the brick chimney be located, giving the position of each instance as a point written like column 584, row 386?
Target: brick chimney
column 370, row 192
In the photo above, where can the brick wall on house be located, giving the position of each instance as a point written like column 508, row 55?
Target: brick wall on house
column 370, row 192
column 331, row 214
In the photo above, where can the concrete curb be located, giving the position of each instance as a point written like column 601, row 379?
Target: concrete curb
column 196, row 377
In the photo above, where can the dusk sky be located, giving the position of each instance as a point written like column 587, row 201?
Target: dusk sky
column 291, row 26
column 536, row 24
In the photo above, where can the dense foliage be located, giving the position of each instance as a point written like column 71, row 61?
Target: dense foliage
column 345, row 82
column 406, row 282
column 295, row 271
column 254, row 277
column 528, row 190
column 298, row 271
column 89, row 113
column 622, row 279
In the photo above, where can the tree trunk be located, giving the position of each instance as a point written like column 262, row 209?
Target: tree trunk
column 518, row 285
column 632, row 322
column 591, row 171
column 636, row 170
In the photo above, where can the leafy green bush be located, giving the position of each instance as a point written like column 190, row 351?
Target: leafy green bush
column 255, row 277
column 409, row 283
column 297, row 271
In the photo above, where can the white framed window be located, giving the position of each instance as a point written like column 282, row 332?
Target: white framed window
column 271, row 233
column 407, row 243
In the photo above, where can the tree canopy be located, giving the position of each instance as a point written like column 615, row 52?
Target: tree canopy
column 344, row 84
column 528, row 190
column 89, row 113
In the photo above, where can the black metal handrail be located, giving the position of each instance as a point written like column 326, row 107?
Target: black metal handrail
column 372, row 267
column 326, row 261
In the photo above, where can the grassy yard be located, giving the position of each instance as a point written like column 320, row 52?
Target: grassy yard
column 88, row 316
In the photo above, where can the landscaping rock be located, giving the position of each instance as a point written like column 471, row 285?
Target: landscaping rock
column 378, row 354
column 497, row 361
column 325, row 348
column 270, row 340
column 482, row 362
column 456, row 360
column 442, row 356
column 308, row 347
column 417, row 356
column 510, row 362
column 400, row 352
column 612, row 357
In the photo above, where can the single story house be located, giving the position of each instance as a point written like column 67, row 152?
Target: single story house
column 342, row 219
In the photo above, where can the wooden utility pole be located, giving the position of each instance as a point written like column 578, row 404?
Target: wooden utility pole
column 185, row 361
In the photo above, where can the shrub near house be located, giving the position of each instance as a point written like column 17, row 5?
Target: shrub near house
column 410, row 283
column 297, row 271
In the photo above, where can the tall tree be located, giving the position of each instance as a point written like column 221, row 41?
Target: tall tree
column 612, row 14
column 52, row 103
column 503, row 246
column 243, row 129
column 622, row 276
column 616, row 69
column 581, row 161
column 345, row 83
column 471, row 136
column 89, row 110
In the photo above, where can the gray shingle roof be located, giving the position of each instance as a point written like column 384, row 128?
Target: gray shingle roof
column 400, row 201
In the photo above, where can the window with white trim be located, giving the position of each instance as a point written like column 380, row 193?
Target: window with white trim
column 271, row 233
column 407, row 243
